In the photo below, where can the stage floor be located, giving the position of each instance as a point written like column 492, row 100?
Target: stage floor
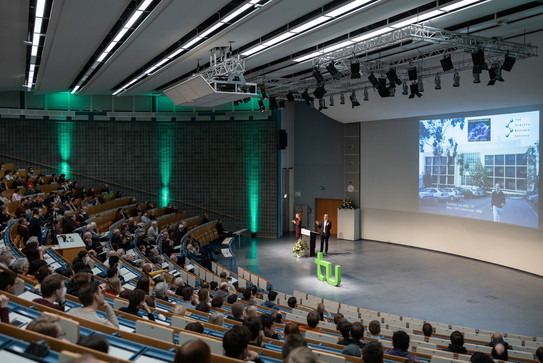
column 407, row 281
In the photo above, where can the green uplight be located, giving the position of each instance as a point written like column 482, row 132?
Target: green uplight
column 166, row 137
column 65, row 132
column 253, row 162
column 65, row 168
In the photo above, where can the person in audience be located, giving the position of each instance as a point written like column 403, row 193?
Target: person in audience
column 291, row 342
column 237, row 312
column 68, row 222
column 113, row 286
column 235, row 343
column 345, row 330
column 255, row 327
column 357, row 334
column 400, row 342
column 232, row 298
column 178, row 309
column 53, row 291
column 20, row 266
column 153, row 232
column 42, row 273
column 35, row 223
column 161, row 291
column 95, row 342
column 248, row 297
column 18, row 195
column 23, row 231
column 373, row 353
column 79, row 279
column 4, row 310
column 480, row 357
column 217, row 302
column 312, row 321
column 47, row 325
column 374, row 327
column 497, row 338
column 427, row 330
column 301, row 355
column 539, row 354
column 203, row 294
column 268, row 326
column 217, row 319
column 193, row 351
column 203, row 307
column 352, row 349
column 189, row 298
column 195, row 327
column 251, row 310
column 144, row 283
column 223, row 290
column 292, row 302
column 271, row 301
column 91, row 295
column 137, row 302
column 499, row 351
column 457, row 343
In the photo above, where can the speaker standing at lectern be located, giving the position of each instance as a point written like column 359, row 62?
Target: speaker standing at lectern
column 325, row 228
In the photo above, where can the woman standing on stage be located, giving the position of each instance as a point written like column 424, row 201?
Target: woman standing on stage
column 298, row 223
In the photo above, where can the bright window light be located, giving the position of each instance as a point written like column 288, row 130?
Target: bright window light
column 458, row 5
column 133, row 19
column 236, row 13
column 346, row 8
column 372, row 34
column 258, row 48
column 307, row 56
column 417, row 19
column 311, row 24
column 278, row 39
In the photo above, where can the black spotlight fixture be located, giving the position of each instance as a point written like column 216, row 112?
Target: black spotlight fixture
column 354, row 101
column 319, row 92
column 421, row 85
column 404, row 89
column 264, row 95
column 391, row 89
column 414, row 87
column 412, row 73
column 495, row 74
column 374, row 81
column 236, row 103
column 290, row 96
column 247, row 100
column 331, row 101
column 478, row 59
column 355, row 70
column 393, row 77
column 456, row 79
column 437, row 82
column 317, row 74
column 282, row 104
column 508, row 63
column 476, row 71
column 307, row 98
column 261, row 105
column 322, row 104
column 342, row 98
column 446, row 63
column 366, row 95
column 273, row 103
column 382, row 89
column 333, row 71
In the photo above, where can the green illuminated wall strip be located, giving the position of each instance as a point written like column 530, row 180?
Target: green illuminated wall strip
column 166, row 142
column 65, row 132
column 253, row 165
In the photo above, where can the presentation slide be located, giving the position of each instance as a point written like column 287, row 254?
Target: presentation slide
column 484, row 167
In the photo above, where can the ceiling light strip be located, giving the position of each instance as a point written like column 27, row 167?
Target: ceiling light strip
column 36, row 37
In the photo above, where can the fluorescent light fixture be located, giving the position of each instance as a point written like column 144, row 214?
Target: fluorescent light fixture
column 120, row 34
column 278, row 39
column 191, row 42
column 36, row 39
column 133, row 19
column 417, row 18
column 211, row 30
column 311, row 24
column 458, row 5
column 102, row 56
column 34, row 51
column 346, row 8
column 258, row 48
column 40, row 8
column 110, row 47
column 236, row 13
column 37, row 25
column 151, row 69
column 372, row 34
column 337, row 46
column 74, row 90
column 175, row 53
column 145, row 5
column 307, row 56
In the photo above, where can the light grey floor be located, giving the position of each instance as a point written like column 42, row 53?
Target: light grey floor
column 407, row 281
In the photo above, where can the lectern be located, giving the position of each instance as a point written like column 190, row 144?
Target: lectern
column 309, row 238
column 69, row 245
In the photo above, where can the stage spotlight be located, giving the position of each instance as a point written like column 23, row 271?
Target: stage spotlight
column 366, row 96
column 247, row 100
column 437, row 82
column 333, row 71
column 383, row 89
column 374, row 81
column 282, row 104
column 355, row 70
column 508, row 63
column 414, row 87
column 319, row 92
column 412, row 73
column 307, row 98
column 478, row 59
column 495, row 74
column 332, row 103
column 393, row 77
column 476, row 74
column 322, row 104
column 456, row 79
column 354, row 101
column 273, row 103
column 290, row 96
column 264, row 95
column 317, row 74
column 446, row 63
column 236, row 103
column 261, row 105
column 342, row 99
column 421, row 85
column 404, row 89
column 392, row 89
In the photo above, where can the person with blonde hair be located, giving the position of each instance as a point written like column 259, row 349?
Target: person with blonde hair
column 179, row 309
column 47, row 325
column 113, row 286
column 251, row 310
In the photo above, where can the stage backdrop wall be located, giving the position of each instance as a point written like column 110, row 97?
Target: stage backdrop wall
column 226, row 166
column 389, row 203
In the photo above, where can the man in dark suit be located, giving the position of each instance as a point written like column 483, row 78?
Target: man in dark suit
column 325, row 228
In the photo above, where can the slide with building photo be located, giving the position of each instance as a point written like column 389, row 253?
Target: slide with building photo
column 462, row 161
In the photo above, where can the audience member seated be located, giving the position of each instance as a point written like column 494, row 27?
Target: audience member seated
column 457, row 343
column 292, row 342
column 161, row 291
column 352, row 349
column 268, row 326
column 480, row 357
column 301, row 354
column 232, row 298
column 427, row 330
column 290, row 329
column 374, row 328
column 95, row 342
column 217, row 302
column 237, row 312
column 178, row 309
column 373, row 353
column 53, row 291
column 271, row 301
column 312, row 321
column 193, row 351
column 4, row 310
column 91, row 295
column 203, row 307
column 137, row 302
column 78, row 279
column 539, row 354
column 6, row 259
column 345, row 330
column 251, row 310
column 400, row 342
column 497, row 338
column 235, row 342
column 217, row 319
column 195, row 327
column 499, row 351
column 47, row 325
column 113, row 286
column 222, row 291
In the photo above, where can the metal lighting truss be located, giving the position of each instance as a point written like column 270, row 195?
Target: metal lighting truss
column 414, row 36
